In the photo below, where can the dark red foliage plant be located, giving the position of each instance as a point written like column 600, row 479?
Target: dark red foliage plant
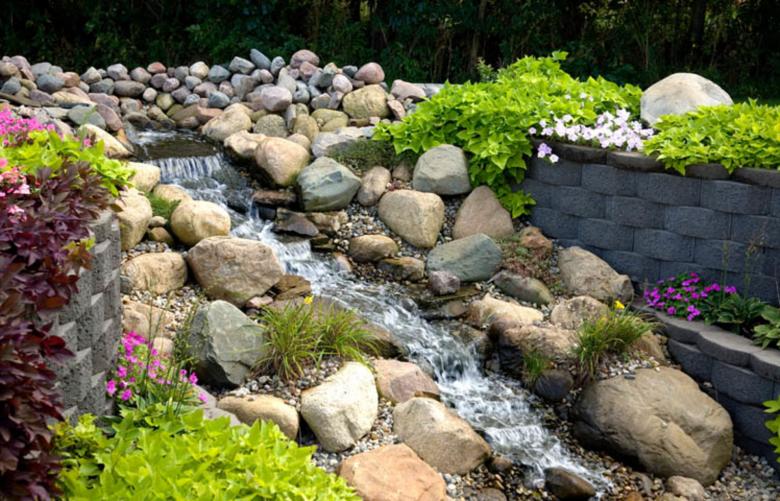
column 44, row 243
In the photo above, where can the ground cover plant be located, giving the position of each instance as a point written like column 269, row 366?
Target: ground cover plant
column 492, row 121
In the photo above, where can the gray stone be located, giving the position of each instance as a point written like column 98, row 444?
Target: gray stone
column 275, row 98
column 91, row 76
column 218, row 100
column 328, row 143
column 726, row 347
column 128, row 88
column 443, row 283
column 117, row 72
column 259, row 59
column 225, row 343
column 526, row 289
column 140, row 75
column 472, row 259
column 442, row 170
column 327, row 185
column 49, row 83
column 218, row 74
column 11, row 86
column 680, row 93
column 271, row 125
column 241, row 65
column 276, row 64
column 553, row 385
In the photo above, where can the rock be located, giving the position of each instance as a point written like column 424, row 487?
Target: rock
column 300, row 140
column 370, row 73
column 481, row 212
column 370, row 101
column 157, row 272
column 566, row 484
column 281, row 160
column 584, row 273
column 526, row 289
column 438, row 436
column 117, row 72
column 680, row 93
column 225, row 344
column 571, row 313
column 553, row 385
column 146, row 320
column 218, row 100
column 86, row 114
column 342, row 409
column 342, row 84
column 275, row 98
column 471, row 259
column 259, row 59
column 171, row 193
column 277, row 64
column 110, row 117
column 650, row 344
column 145, row 177
column 221, row 127
column 442, row 170
column 306, row 125
column 112, row 147
column 551, row 342
column 328, row 143
column 330, row 120
column 49, row 83
column 241, row 65
column 128, row 88
column 443, row 283
column 234, row 269
column 532, row 239
column 392, row 473
column 270, row 125
column 294, row 223
column 140, row 75
column 687, row 488
column 402, row 172
column 373, row 186
column 661, row 419
column 163, row 345
column 400, row 381
column 193, row 221
column 403, row 268
column 490, row 309
column 326, row 185
column 218, row 74
column 369, row 248
column 243, row 145
column 157, row 67
column 405, row 90
column 264, row 408
column 160, row 234
column 291, row 287
column 304, row 55
column 133, row 218
column 416, row 217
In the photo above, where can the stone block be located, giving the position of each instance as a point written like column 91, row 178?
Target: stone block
column 636, row 212
column 543, row 193
column 97, row 400
column 579, row 153
column 669, row 189
column 79, row 301
column 735, row 197
column 606, row 234
column 90, row 324
column 101, row 227
column 698, row 222
column 774, row 206
column 669, row 269
column 694, row 363
column 101, row 265
column 727, row 255
column 105, row 347
column 641, row 269
column 748, row 419
column 725, row 346
column 763, row 231
column 580, row 202
column 741, row 383
column 663, row 245
column 73, row 377
column 555, row 224
column 760, row 177
column 680, row 329
column 563, row 173
column 112, row 297
column 634, row 160
column 608, row 180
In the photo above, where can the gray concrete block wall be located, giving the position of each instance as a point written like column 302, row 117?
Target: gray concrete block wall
column 91, row 325
column 652, row 224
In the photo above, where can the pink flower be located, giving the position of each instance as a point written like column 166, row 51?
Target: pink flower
column 111, row 387
column 121, row 371
column 126, row 395
column 193, row 379
column 202, row 397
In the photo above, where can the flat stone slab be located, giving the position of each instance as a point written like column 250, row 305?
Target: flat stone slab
column 766, row 363
column 726, row 346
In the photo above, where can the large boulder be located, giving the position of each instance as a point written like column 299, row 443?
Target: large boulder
column 264, row 408
column 243, row 145
column 369, row 248
column 662, row 419
column 193, row 221
column 224, row 125
column 326, row 185
column 145, row 176
column 157, row 272
column 443, row 170
column 275, row 98
column 585, row 274
column 551, row 342
column 373, row 186
column 370, row 101
column 281, row 160
column 113, row 148
column 471, row 259
column 680, row 93
column 134, row 216
column 400, row 381
column 392, row 473
column 481, row 212
column 489, row 309
column 225, row 344
column 439, row 436
column 234, row 269
column 571, row 313
column 342, row 409
column 416, row 217
column 528, row 289
column 172, row 193
column 146, row 320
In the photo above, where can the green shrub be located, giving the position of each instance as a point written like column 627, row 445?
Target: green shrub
column 737, row 313
column 613, row 333
column 162, row 206
column 773, row 407
column 299, row 335
column 188, row 457
column 534, row 363
column 768, row 334
column 741, row 135
column 490, row 120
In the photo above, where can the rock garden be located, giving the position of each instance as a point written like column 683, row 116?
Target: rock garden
column 331, row 288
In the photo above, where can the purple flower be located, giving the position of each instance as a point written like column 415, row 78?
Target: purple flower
column 543, row 150
column 193, row 379
column 121, row 371
column 126, row 395
column 202, row 397
column 671, row 310
column 730, row 289
column 111, row 387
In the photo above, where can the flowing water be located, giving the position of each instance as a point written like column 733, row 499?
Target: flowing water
column 495, row 405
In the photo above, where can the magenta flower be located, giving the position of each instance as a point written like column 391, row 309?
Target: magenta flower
column 193, row 379
column 202, row 397
column 121, row 371
column 111, row 387
column 126, row 395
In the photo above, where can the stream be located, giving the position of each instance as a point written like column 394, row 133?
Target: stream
column 496, row 406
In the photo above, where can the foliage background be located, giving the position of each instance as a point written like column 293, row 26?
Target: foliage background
column 734, row 42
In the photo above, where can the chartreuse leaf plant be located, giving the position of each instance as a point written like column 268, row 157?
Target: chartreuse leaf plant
column 491, row 120
column 169, row 456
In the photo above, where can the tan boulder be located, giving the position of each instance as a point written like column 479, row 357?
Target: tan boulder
column 415, row 216
column 489, row 309
column 439, row 436
column 571, row 313
column 243, row 144
column 145, row 177
column 399, row 381
column 158, row 272
column 193, row 221
column 370, row 101
column 368, row 248
column 534, row 240
column 392, row 473
column 373, row 185
column 265, row 408
column 551, row 342
column 146, row 320
column 172, row 193
column 113, row 148
column 281, row 160
column 224, row 125
column 585, row 274
column 134, row 216
column 481, row 212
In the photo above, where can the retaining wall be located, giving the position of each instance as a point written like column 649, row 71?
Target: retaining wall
column 650, row 223
column 91, row 325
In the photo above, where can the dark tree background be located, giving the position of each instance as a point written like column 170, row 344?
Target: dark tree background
column 734, row 42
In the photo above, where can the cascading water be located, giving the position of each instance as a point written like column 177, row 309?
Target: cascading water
column 495, row 405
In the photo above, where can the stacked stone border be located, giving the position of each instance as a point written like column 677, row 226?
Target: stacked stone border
column 91, row 325
column 733, row 371
column 651, row 223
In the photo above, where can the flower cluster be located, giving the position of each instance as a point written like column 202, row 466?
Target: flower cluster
column 143, row 376
column 686, row 295
column 12, row 126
